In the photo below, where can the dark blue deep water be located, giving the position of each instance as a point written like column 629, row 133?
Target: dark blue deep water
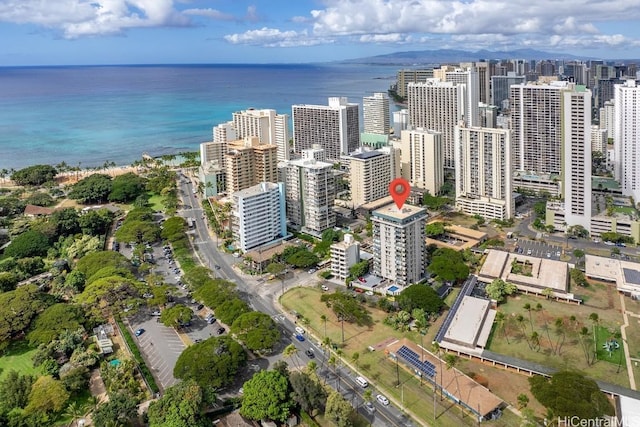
column 94, row 114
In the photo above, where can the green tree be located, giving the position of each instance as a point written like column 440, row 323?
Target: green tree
column 14, row 390
column 523, row 401
column 435, row 229
column 359, row 269
column 568, row 394
column 303, row 259
column 92, row 189
column 95, row 261
column 256, row 330
column 422, row 297
column 498, row 289
column 138, row 231
column 231, row 309
column 117, row 412
column 266, row 396
column 40, row 198
column 34, row 175
column 112, row 294
column 53, row 320
column 212, row 363
column 448, row 265
column 180, row 406
column 126, row 187
column 307, row 392
column 47, row 395
column 347, row 308
column 18, row 308
column 67, row 221
column 338, row 410
column 96, row 222
column 177, row 315
column 28, row 244
column 8, row 281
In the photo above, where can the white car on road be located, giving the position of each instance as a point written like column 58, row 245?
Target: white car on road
column 382, row 399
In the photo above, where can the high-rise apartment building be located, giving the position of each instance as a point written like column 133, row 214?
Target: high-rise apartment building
column 626, row 138
column 211, row 172
column 344, row 255
column 439, row 106
column 599, row 139
column 607, row 117
column 310, row 191
column 224, row 132
column 422, row 159
column 370, row 175
column 335, row 127
column 576, row 146
column 375, row 112
column 483, row 172
column 400, row 121
column 500, row 89
column 404, row 77
column 248, row 162
column 399, row 248
column 258, row 215
column 470, row 79
column 270, row 128
column 536, row 122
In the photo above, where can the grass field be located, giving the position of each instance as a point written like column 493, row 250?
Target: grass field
column 18, row 357
column 375, row 365
column 571, row 353
column 155, row 201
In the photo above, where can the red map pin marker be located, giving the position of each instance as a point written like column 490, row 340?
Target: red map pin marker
column 399, row 190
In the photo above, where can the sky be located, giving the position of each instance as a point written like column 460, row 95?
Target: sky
column 71, row 32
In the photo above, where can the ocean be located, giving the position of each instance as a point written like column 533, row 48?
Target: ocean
column 89, row 115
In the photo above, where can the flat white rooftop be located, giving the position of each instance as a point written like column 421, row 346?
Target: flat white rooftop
column 472, row 323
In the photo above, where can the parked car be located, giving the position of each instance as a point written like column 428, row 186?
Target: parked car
column 139, row 332
column 156, row 313
column 325, row 288
column 380, row 398
column 221, row 331
column 200, row 307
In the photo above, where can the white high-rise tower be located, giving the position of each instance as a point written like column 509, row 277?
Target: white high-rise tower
column 626, row 137
column 375, row 111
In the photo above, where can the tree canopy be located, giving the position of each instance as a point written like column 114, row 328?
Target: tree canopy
column 435, row 229
column 347, row 308
column 34, row 175
column 47, row 395
column 231, row 309
column 95, row 261
column 212, row 363
column 96, row 222
column 266, row 396
column 126, row 187
column 338, row 410
column 448, row 265
column 28, row 244
column 256, row 330
column 302, row 258
column 112, row 294
column 92, row 189
column 569, row 394
column 17, row 309
column 53, row 320
column 179, row 406
column 177, row 315
column 422, row 297
column 307, row 392
column 117, row 412
column 498, row 289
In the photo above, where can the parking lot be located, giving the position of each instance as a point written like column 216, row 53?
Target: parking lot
column 538, row 249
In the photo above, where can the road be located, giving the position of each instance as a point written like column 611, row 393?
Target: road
column 262, row 297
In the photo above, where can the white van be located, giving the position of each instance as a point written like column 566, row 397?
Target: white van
column 299, row 330
column 362, row 382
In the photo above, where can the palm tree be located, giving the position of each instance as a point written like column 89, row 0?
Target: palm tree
column 559, row 330
column 528, row 307
column 324, row 320
column 435, row 348
column 584, row 333
column 501, row 322
column 452, row 361
column 595, row 320
column 545, row 327
column 520, row 320
column 74, row 411
column 290, row 351
column 535, row 340
column 333, row 362
column 355, row 357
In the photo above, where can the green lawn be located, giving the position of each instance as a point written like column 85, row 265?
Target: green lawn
column 18, row 357
column 517, row 342
column 156, row 202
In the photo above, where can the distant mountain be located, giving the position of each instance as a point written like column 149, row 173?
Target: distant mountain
column 417, row 57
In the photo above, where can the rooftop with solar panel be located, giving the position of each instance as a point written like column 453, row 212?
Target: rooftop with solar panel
column 459, row 386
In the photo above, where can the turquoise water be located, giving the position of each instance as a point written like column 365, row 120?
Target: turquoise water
column 91, row 115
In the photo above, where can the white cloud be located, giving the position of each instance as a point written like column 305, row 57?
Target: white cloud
column 76, row 18
column 272, row 37
column 386, row 38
